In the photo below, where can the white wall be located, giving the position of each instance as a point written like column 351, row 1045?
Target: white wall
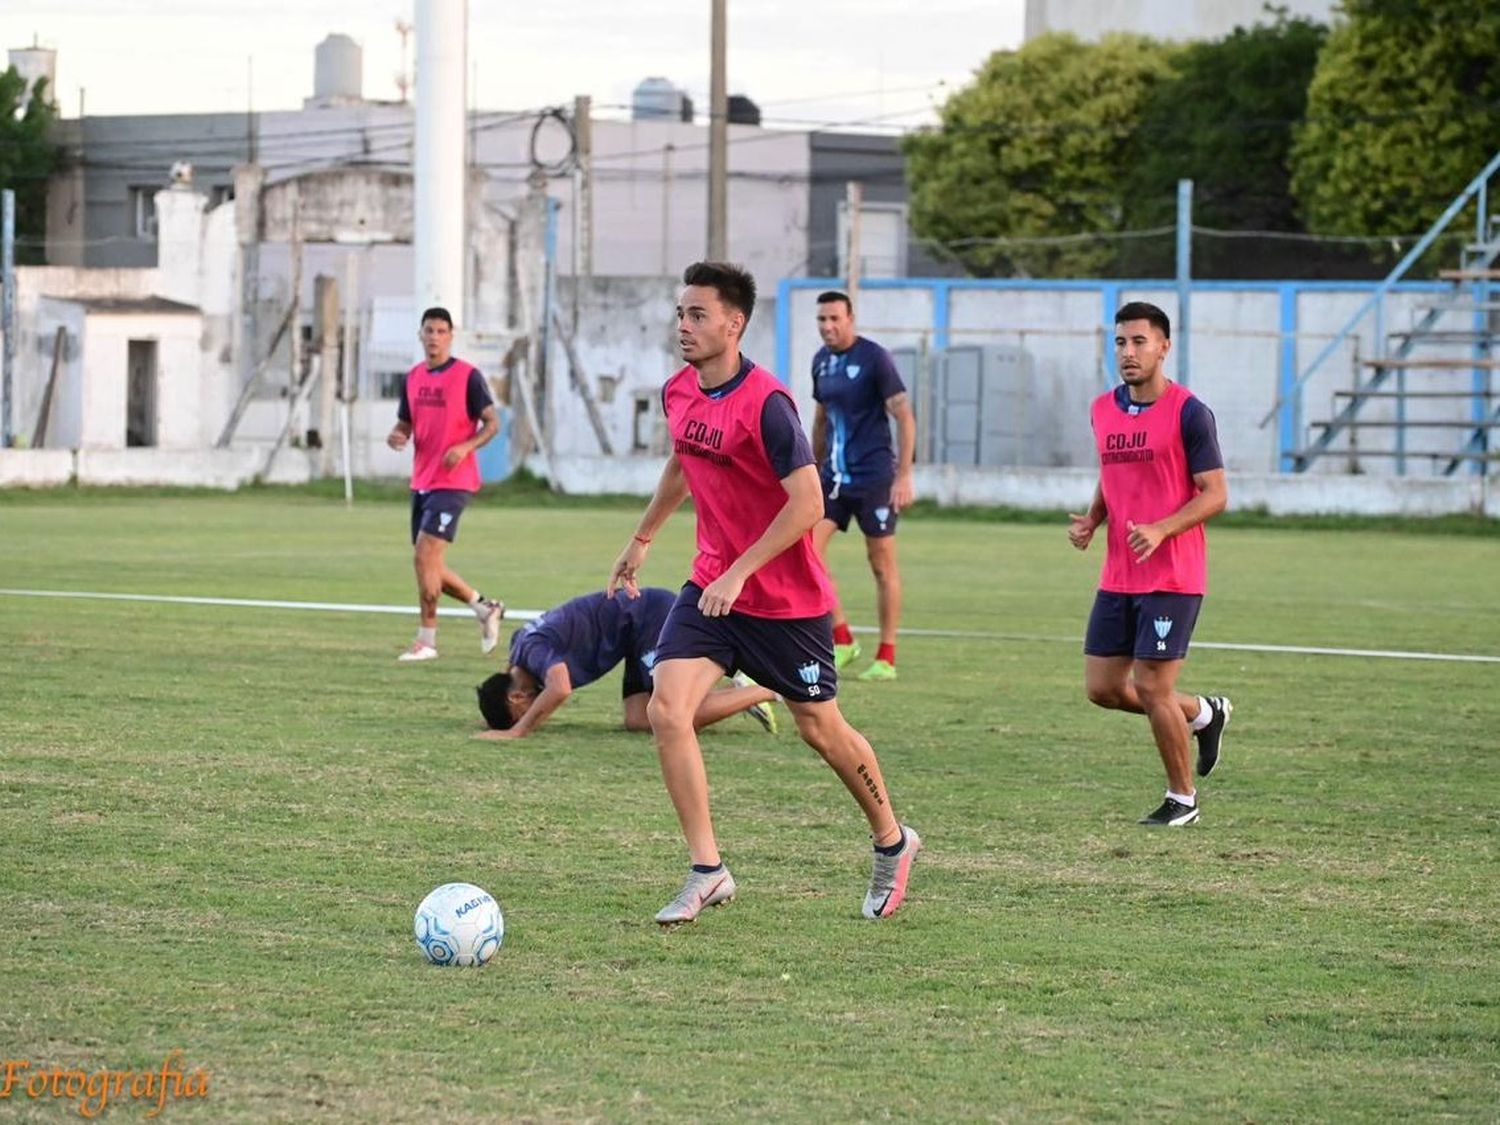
column 627, row 337
column 66, row 423
column 1161, row 19
column 1070, row 489
column 106, row 343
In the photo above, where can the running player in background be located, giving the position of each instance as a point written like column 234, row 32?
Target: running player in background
column 1161, row 478
column 858, row 390
column 446, row 413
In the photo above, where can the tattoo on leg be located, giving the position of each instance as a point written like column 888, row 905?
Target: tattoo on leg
column 870, row 785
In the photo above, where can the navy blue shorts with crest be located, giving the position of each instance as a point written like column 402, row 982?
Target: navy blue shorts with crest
column 791, row 656
column 436, row 512
column 1145, row 626
column 869, row 506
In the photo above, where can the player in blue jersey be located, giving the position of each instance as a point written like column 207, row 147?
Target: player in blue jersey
column 858, row 390
column 581, row 641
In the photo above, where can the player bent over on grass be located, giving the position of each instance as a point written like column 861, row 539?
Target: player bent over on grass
column 581, row 641
column 446, row 413
column 759, row 599
column 1161, row 478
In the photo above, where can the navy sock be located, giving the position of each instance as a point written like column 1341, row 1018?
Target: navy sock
column 893, row 849
column 705, row 869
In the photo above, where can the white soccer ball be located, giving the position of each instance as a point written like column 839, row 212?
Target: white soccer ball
column 459, row 924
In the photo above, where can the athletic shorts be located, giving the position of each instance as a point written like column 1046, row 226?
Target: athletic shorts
column 436, row 512
column 1145, row 626
column 869, row 506
column 791, row 656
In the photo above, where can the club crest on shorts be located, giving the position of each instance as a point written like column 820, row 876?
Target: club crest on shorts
column 648, row 660
column 444, row 519
column 809, row 673
column 1163, row 626
column 883, row 515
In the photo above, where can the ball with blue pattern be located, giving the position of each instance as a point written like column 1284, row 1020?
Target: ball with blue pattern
column 459, row 924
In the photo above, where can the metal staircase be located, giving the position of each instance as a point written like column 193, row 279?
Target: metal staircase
column 1427, row 398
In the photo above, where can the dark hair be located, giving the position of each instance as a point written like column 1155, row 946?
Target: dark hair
column 492, row 702
column 437, row 312
column 1143, row 310
column 735, row 286
column 833, row 295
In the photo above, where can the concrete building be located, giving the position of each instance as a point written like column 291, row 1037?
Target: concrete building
column 638, row 208
column 1162, row 19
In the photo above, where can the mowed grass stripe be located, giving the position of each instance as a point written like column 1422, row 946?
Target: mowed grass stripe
column 217, row 826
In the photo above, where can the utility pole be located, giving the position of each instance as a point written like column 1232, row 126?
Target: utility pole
column 583, row 137
column 666, row 209
column 718, row 137
column 1184, row 276
column 326, row 309
column 7, row 310
column 854, row 205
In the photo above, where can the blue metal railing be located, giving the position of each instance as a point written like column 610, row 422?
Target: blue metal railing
column 1288, row 402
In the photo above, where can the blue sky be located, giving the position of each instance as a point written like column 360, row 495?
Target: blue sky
column 881, row 62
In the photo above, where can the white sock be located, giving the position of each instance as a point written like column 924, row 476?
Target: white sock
column 427, row 637
column 1188, row 799
column 1205, row 715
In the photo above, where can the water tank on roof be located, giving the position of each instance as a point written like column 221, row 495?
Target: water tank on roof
column 742, row 111
column 656, row 99
column 338, row 71
column 35, row 64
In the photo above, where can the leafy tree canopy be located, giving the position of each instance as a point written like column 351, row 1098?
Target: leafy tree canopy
column 1225, row 120
column 1403, row 111
column 27, row 159
column 1033, row 148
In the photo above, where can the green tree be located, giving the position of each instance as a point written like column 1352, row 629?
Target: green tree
column 1225, row 120
column 27, row 159
column 1033, row 149
column 1403, row 111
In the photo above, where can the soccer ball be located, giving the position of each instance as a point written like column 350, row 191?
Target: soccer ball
column 459, row 924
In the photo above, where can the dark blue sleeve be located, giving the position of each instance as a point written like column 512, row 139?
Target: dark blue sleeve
column 478, row 394
column 534, row 652
column 1200, row 437
column 403, row 411
column 781, row 431
column 817, row 361
column 887, row 379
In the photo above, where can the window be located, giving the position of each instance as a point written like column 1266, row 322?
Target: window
column 143, row 211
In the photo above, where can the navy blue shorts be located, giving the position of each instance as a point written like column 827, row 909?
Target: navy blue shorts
column 436, row 512
column 868, row 505
column 1145, row 626
column 792, row 656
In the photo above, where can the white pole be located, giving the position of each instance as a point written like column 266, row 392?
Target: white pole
column 439, row 155
column 350, row 372
column 854, row 204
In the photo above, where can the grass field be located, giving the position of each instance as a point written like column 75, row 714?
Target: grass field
column 217, row 822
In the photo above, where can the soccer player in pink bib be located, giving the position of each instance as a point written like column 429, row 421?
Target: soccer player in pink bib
column 759, row 599
column 1161, row 478
column 446, row 413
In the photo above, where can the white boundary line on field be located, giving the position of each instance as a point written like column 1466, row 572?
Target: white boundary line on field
column 259, row 603
column 533, row 614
